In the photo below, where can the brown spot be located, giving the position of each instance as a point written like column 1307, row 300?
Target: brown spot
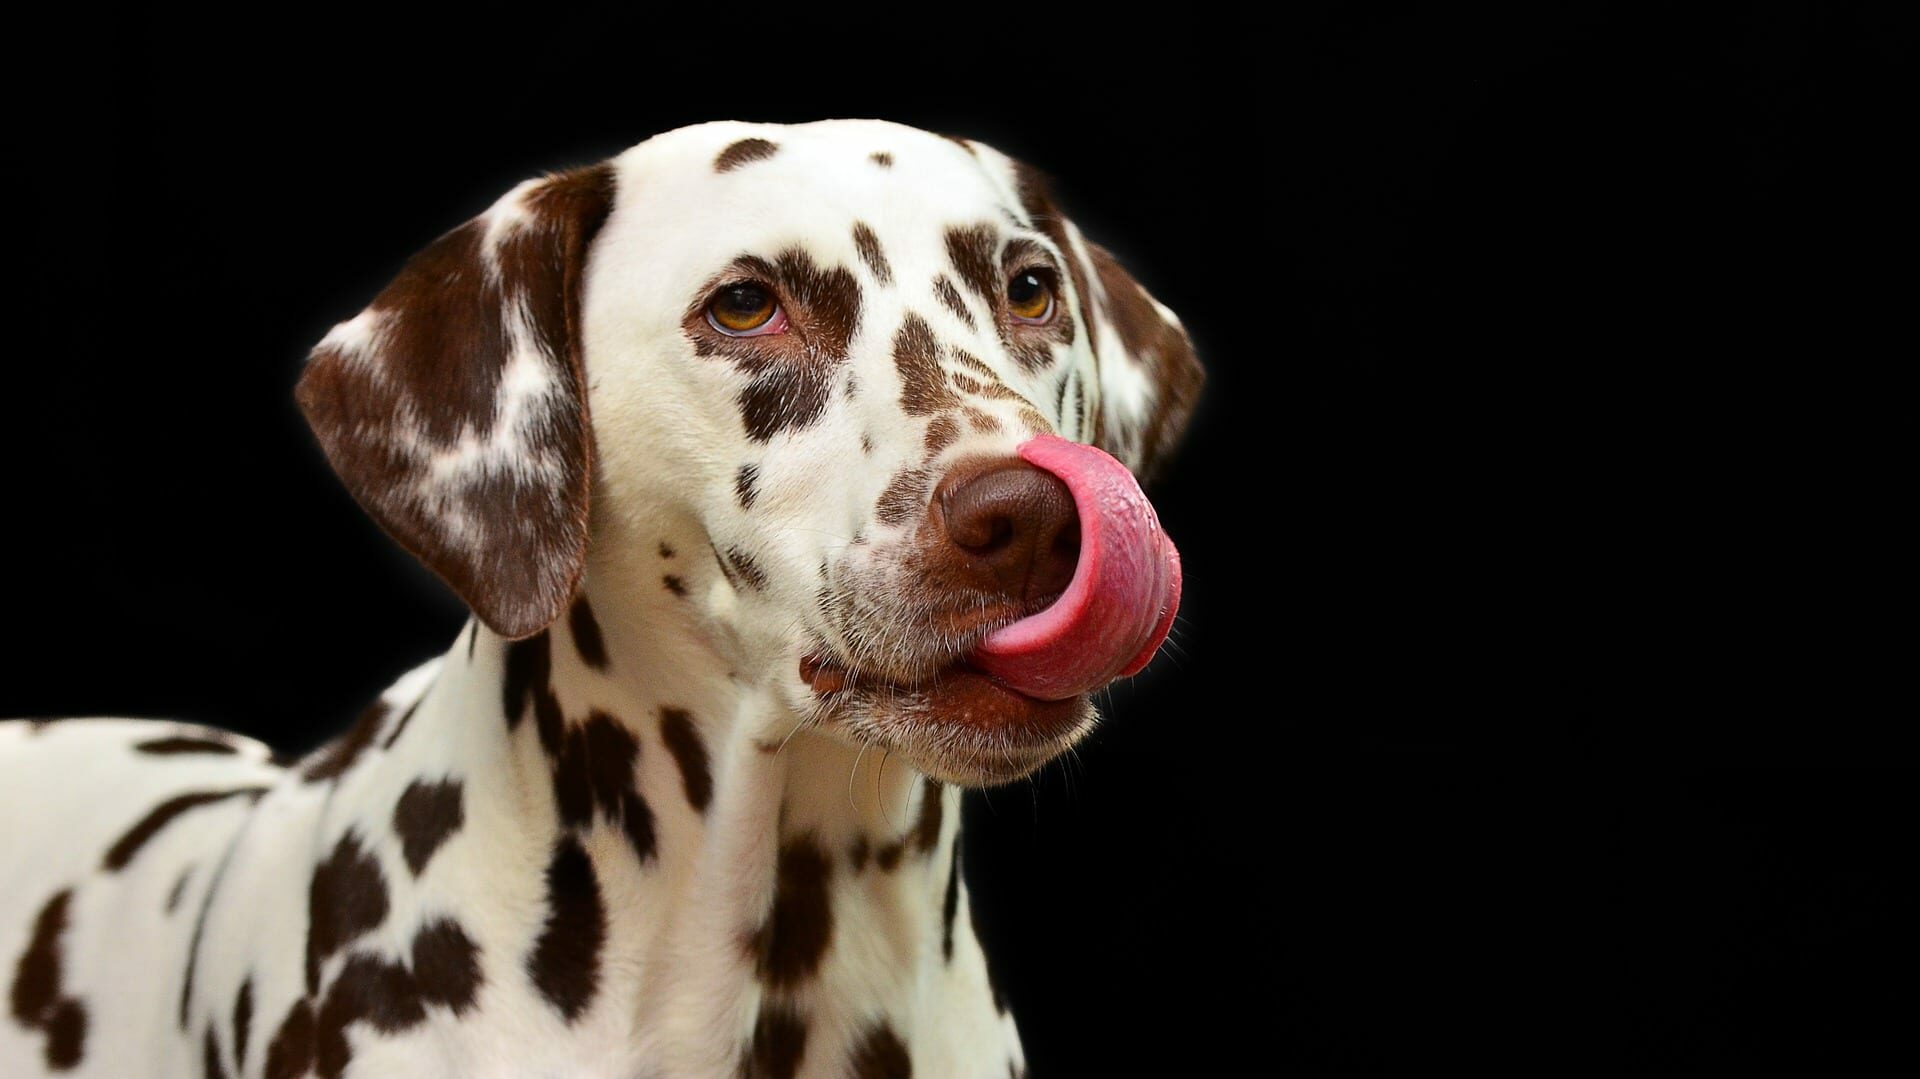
column 36, row 996
column 1159, row 346
column 369, row 989
column 179, row 889
column 665, row 551
column 868, row 245
column 674, row 584
column 905, row 496
column 960, row 142
column 167, row 747
column 941, row 433
column 586, row 633
column 347, row 897
column 888, row 856
column 446, row 965
column 866, row 443
column 424, row 817
column 862, row 850
column 926, row 830
column 548, row 721
column 973, row 250
column 333, row 759
column 746, row 569
column 791, row 374
column 242, row 1022
column 683, row 740
column 950, row 297
column 982, row 422
column 744, row 485
column 529, row 665
column 880, row 1055
column 779, row 1043
column 290, row 1053
column 66, row 1029
column 788, row 948
column 510, row 544
column 740, row 153
column 636, row 822
column 596, row 769
column 128, row 845
column 565, row 963
column 210, row 1056
column 406, row 717
column 950, row 905
column 923, row 384
column 881, row 158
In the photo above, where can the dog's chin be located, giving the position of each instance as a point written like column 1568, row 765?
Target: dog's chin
column 957, row 725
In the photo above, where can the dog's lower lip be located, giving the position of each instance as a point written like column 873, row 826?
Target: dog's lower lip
column 827, row 678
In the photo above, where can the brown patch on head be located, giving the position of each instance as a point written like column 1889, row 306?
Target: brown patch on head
column 179, row 744
column 746, row 485
column 905, row 497
column 950, row 297
column 565, row 962
column 881, row 158
column 143, row 830
column 421, row 374
column 787, row 949
column 982, row 422
column 346, row 898
column 586, row 633
column 880, row 1055
column 868, row 245
column 38, row 998
column 779, row 1043
column 739, row 153
column 334, row 759
column 973, row 250
column 1162, row 348
column 790, row 374
column 683, row 740
column 745, row 570
column 923, row 383
column 424, row 817
column 941, row 433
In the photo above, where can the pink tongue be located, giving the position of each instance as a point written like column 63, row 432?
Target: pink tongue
column 1120, row 604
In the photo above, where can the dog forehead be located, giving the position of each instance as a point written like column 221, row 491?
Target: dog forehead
column 690, row 200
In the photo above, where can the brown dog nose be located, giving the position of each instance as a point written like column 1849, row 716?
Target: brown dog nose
column 1010, row 529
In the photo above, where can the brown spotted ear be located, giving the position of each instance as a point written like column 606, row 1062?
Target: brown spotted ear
column 454, row 406
column 1150, row 377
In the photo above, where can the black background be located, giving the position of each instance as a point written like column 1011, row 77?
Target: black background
column 1517, row 518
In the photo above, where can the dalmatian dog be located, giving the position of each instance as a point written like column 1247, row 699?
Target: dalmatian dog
column 791, row 475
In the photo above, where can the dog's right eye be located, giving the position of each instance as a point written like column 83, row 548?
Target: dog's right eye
column 745, row 310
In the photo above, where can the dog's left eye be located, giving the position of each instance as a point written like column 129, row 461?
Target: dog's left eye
column 1029, row 297
column 745, row 310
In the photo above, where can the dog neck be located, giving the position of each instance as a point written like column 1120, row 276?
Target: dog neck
column 721, row 884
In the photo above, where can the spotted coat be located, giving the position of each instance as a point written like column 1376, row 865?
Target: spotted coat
column 609, row 832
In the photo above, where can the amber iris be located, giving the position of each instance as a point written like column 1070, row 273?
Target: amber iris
column 1029, row 297
column 741, row 308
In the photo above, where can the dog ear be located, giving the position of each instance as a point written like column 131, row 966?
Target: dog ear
column 1150, row 377
column 455, row 407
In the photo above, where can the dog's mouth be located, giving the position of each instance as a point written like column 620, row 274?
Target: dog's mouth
column 957, row 723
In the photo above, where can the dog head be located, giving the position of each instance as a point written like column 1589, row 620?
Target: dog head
column 863, row 364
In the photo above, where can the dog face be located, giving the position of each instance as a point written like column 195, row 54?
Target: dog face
column 812, row 347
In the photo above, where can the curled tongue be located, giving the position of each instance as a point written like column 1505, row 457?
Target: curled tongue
column 1120, row 603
